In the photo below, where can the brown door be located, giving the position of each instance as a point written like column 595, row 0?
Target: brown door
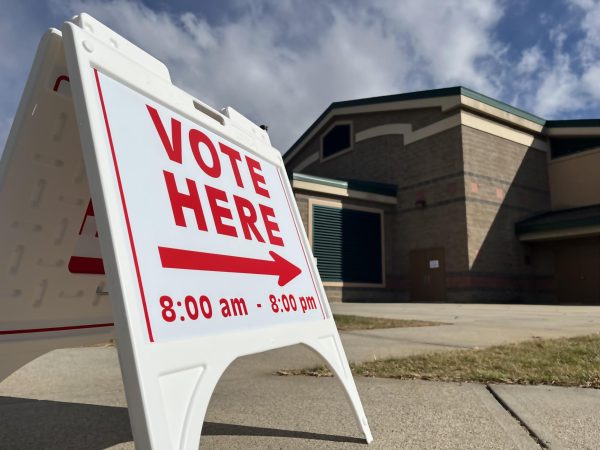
column 427, row 274
column 578, row 271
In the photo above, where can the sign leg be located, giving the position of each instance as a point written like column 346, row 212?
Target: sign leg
column 198, row 406
column 13, row 358
column 181, row 404
column 331, row 350
column 14, row 354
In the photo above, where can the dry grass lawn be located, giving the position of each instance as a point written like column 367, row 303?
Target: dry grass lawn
column 562, row 362
column 350, row 323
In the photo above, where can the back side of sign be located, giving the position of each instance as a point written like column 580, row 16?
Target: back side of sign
column 45, row 302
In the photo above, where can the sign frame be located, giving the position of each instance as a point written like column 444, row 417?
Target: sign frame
column 171, row 382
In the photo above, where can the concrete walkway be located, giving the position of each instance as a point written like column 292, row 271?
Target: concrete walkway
column 469, row 326
column 74, row 398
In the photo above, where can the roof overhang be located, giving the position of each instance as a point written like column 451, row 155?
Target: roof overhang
column 360, row 190
column 564, row 224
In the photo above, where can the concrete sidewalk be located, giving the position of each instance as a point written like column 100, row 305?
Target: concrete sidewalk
column 74, row 398
column 469, row 326
column 249, row 410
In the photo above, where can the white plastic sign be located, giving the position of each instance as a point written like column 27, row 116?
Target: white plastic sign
column 191, row 217
column 211, row 228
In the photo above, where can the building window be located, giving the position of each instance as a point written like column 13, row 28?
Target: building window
column 336, row 140
column 348, row 244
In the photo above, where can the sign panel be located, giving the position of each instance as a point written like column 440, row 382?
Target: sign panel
column 211, row 228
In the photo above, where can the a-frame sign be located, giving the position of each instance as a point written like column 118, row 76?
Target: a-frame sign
column 109, row 168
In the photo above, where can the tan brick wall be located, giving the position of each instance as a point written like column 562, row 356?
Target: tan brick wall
column 375, row 159
column 431, row 171
column 302, row 203
column 504, row 182
column 378, row 159
column 475, row 187
column 346, row 294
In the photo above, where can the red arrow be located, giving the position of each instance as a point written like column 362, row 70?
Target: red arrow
column 176, row 258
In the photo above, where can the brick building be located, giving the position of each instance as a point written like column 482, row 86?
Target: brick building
column 449, row 195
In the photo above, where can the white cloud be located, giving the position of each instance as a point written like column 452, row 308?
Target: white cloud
column 452, row 41
column 558, row 89
column 589, row 46
column 19, row 34
column 282, row 63
column 567, row 80
column 591, row 81
column 531, row 61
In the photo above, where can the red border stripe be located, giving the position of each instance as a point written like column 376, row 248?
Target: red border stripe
column 300, row 240
column 46, row 330
column 114, row 157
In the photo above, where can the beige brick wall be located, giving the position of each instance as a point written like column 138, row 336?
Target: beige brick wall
column 378, row 159
column 504, row 182
column 374, row 159
column 431, row 171
column 475, row 187
column 302, row 202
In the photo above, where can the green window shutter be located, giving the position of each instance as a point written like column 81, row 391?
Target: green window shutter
column 347, row 244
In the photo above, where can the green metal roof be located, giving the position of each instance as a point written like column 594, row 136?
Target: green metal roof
column 560, row 220
column 355, row 185
column 501, row 105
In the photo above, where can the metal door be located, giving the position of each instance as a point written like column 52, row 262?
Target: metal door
column 578, row 271
column 427, row 275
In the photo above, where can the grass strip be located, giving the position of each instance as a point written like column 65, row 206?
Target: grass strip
column 561, row 362
column 350, row 323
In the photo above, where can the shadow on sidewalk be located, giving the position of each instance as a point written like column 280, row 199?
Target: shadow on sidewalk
column 225, row 429
column 44, row 424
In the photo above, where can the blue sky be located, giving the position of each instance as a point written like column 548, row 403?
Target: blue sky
column 282, row 62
